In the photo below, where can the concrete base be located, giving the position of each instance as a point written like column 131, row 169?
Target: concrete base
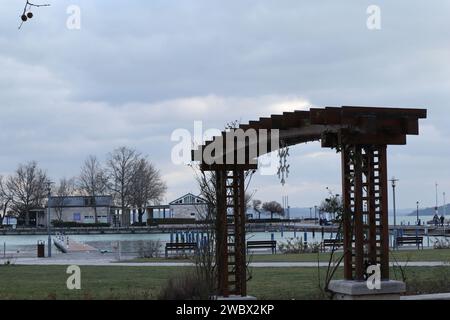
column 234, row 298
column 358, row 290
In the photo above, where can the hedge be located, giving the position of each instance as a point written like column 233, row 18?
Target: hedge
column 72, row 224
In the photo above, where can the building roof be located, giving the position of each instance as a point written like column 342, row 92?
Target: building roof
column 81, row 201
column 188, row 199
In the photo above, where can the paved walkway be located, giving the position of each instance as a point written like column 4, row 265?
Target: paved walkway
column 107, row 261
column 425, row 297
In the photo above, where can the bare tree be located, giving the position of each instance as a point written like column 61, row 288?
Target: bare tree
column 146, row 186
column 205, row 260
column 63, row 191
column 93, row 181
column 273, row 207
column 5, row 199
column 332, row 205
column 256, row 205
column 27, row 188
column 121, row 166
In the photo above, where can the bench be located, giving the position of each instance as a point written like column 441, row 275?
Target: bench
column 180, row 246
column 272, row 244
column 410, row 240
column 332, row 243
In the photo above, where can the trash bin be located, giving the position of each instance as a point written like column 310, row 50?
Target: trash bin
column 41, row 249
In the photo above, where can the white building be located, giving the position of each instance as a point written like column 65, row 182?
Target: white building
column 188, row 206
column 81, row 209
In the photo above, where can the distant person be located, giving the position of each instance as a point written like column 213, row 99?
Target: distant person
column 419, row 222
column 436, row 220
column 442, row 221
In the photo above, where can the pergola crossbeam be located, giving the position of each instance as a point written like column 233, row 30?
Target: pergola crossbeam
column 362, row 134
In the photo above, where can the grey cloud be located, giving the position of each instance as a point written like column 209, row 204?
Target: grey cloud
column 139, row 69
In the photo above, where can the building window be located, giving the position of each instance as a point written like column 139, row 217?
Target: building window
column 88, row 202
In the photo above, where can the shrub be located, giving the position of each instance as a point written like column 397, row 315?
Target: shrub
column 296, row 245
column 7, row 262
column 139, row 224
column 442, row 244
column 149, row 249
column 73, row 224
column 152, row 222
column 188, row 286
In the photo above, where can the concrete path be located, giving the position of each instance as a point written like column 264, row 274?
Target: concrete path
column 110, row 262
column 427, row 297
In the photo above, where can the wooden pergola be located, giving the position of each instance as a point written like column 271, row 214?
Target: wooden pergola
column 361, row 134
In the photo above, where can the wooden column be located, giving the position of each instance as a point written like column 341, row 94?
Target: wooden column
column 221, row 233
column 365, row 218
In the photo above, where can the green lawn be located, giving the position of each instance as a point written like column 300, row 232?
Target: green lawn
column 115, row 282
column 49, row 282
column 403, row 255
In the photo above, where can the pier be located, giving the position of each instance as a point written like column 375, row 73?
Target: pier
column 67, row 245
column 276, row 226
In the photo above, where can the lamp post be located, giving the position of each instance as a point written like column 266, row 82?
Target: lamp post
column 445, row 205
column 315, row 214
column 418, row 223
column 436, row 209
column 394, row 182
column 49, row 244
column 445, row 211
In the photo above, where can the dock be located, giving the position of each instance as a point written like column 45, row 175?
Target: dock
column 67, row 245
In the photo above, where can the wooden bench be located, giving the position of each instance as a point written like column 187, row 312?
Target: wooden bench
column 180, row 246
column 418, row 241
column 271, row 244
column 332, row 243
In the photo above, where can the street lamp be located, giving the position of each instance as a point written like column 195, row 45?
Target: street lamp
column 394, row 181
column 394, row 184
column 315, row 214
column 49, row 244
column 445, row 212
column 418, row 221
column 436, row 209
column 445, row 205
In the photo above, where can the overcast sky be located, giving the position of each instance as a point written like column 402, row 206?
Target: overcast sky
column 137, row 70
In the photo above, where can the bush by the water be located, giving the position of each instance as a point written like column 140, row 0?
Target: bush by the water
column 296, row 245
column 442, row 244
column 149, row 249
column 155, row 222
column 138, row 224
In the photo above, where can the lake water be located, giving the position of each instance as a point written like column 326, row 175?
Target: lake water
column 131, row 244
